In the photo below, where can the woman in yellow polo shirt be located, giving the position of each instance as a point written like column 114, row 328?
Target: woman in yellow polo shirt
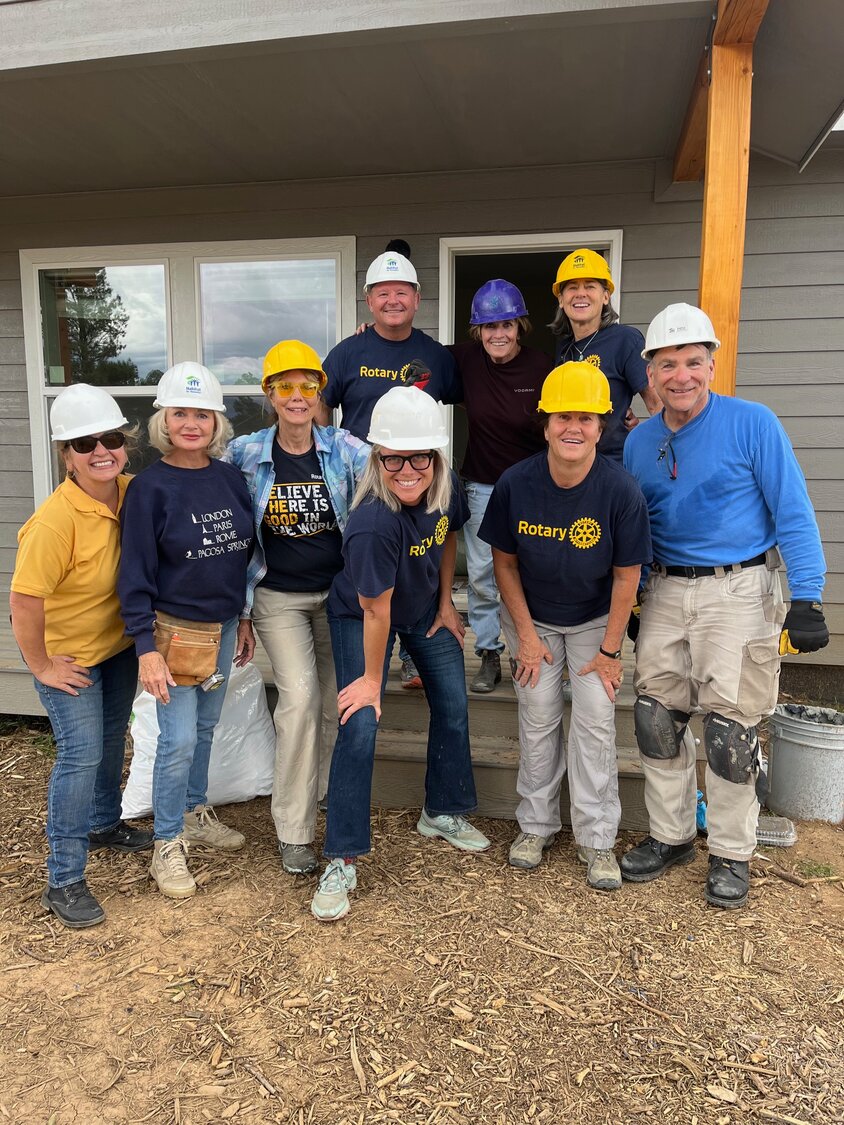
column 66, row 619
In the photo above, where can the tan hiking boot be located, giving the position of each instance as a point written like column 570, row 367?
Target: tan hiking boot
column 602, row 870
column 169, row 868
column 526, row 850
column 203, row 827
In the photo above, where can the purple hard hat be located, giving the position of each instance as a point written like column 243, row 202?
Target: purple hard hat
column 497, row 300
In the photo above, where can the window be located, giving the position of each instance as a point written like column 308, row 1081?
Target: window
column 119, row 316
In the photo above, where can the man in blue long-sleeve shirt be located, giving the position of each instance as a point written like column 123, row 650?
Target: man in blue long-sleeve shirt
column 724, row 493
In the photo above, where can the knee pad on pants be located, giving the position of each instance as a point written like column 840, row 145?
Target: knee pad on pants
column 659, row 731
column 731, row 749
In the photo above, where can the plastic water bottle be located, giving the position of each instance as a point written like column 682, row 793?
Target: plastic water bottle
column 701, row 813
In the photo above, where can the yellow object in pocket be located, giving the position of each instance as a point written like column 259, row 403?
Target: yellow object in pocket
column 786, row 647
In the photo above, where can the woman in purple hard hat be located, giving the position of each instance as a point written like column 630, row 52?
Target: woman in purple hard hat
column 501, row 381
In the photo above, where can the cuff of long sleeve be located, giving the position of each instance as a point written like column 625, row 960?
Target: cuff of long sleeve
column 144, row 643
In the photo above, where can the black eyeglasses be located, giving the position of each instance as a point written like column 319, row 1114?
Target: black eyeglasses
column 111, row 439
column 666, row 454
column 394, row 462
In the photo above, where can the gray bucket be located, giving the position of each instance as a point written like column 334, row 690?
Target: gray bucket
column 806, row 764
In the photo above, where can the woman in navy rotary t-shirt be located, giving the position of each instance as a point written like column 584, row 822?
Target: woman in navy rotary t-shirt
column 569, row 531
column 399, row 551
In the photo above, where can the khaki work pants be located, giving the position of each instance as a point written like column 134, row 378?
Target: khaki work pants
column 293, row 629
column 592, row 764
column 709, row 644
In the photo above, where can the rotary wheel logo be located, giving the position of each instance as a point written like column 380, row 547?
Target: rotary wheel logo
column 441, row 531
column 585, row 532
column 595, row 360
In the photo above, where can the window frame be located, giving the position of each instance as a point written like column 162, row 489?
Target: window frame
column 181, row 262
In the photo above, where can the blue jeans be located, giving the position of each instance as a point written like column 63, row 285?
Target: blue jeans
column 84, row 791
column 484, row 616
column 449, row 782
column 185, row 733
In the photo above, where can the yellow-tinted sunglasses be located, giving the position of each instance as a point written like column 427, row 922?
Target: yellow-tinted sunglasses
column 284, row 389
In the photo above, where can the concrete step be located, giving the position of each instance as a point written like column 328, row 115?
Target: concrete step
column 399, row 777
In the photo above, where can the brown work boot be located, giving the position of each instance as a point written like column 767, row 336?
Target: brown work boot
column 203, row 827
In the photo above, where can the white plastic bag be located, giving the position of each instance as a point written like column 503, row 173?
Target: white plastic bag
column 242, row 756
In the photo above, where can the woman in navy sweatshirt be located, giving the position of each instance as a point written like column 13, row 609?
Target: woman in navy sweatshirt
column 187, row 531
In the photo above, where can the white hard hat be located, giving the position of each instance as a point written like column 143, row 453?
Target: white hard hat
column 190, row 384
column 407, row 418
column 677, row 325
column 81, row 410
column 390, row 266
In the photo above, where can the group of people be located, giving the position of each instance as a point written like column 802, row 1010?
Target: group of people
column 579, row 526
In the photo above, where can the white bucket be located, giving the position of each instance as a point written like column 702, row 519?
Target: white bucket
column 805, row 768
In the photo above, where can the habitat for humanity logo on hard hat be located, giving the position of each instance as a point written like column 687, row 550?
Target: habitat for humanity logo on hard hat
column 391, row 265
column 579, row 262
column 192, row 385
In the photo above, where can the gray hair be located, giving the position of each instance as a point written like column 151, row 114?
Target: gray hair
column 160, row 439
column 372, row 484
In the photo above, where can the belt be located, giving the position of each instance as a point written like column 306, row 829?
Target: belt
column 708, row 571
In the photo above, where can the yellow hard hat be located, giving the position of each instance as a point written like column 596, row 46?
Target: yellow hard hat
column 291, row 355
column 580, row 264
column 576, row 386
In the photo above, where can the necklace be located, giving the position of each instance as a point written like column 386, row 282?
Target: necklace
column 582, row 351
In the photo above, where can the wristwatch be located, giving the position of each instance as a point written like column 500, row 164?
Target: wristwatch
column 609, row 655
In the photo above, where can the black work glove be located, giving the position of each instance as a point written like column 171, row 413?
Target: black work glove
column 804, row 629
column 416, row 374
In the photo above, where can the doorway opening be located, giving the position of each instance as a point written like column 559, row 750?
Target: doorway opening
column 530, row 262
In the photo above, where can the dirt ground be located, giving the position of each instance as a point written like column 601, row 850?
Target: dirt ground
column 457, row 991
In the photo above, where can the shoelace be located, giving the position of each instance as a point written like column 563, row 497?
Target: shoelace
column 333, row 878
column 171, row 847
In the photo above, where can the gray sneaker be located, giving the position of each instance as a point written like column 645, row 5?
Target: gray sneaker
column 298, row 859
column 331, row 901
column 602, row 870
column 526, row 850
column 456, row 829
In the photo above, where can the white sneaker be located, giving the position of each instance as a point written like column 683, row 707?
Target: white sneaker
column 203, row 827
column 169, row 868
column 456, row 829
column 602, row 870
column 526, row 850
column 331, row 901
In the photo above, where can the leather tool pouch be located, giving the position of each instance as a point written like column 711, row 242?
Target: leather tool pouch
column 190, row 649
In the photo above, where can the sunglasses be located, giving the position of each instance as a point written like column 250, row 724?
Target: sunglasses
column 111, row 439
column 394, row 463
column 666, row 454
column 285, row 390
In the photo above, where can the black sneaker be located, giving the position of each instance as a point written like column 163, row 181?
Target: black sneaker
column 489, row 673
column 727, row 882
column 74, row 906
column 651, row 858
column 121, row 838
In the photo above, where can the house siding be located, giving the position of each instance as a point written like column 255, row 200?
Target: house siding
column 791, row 344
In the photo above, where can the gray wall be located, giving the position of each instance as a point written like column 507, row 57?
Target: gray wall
column 792, row 333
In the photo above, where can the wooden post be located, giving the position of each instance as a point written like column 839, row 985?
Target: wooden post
column 725, row 201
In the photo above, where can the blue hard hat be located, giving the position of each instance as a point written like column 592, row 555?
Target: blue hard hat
column 497, row 300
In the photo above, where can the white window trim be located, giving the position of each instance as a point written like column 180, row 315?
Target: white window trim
column 563, row 241
column 181, row 261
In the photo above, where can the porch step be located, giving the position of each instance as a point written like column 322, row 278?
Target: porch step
column 399, row 776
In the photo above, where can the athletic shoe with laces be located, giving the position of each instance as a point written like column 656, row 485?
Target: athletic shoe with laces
column 331, row 901
column 121, row 838
column 298, row 859
column 203, row 827
column 602, row 870
column 169, row 868
column 74, row 905
column 408, row 675
column 526, row 850
column 456, row 829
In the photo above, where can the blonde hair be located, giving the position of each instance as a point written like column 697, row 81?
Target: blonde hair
column 160, row 439
column 372, row 484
